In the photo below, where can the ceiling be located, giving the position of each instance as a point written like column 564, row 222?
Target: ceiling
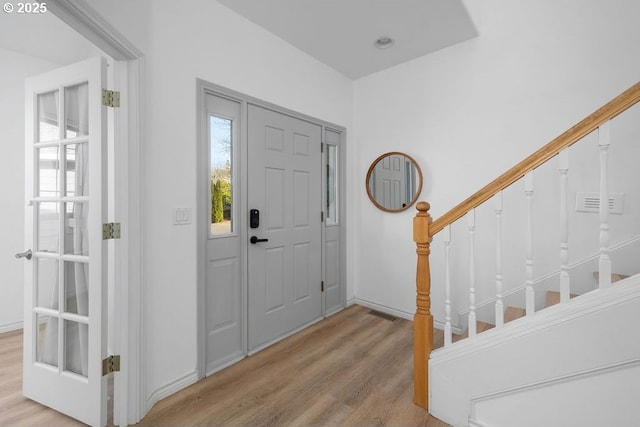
column 43, row 36
column 342, row 33
column 339, row 33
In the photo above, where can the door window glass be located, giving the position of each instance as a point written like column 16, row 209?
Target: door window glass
column 76, row 108
column 48, row 172
column 48, row 122
column 332, row 184
column 221, row 149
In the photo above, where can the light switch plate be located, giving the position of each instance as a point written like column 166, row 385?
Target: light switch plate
column 181, row 216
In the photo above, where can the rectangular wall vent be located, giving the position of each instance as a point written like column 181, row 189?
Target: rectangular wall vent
column 590, row 202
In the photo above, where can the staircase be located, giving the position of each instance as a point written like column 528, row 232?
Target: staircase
column 573, row 364
column 567, row 353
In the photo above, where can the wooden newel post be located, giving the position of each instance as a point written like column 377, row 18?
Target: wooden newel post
column 423, row 320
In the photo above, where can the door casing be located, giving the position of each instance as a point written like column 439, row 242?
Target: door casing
column 202, row 89
column 129, row 401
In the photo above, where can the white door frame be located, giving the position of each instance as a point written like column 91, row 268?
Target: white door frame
column 128, row 310
column 202, row 88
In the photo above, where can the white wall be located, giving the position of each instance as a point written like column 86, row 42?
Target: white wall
column 202, row 40
column 471, row 111
column 12, row 80
column 536, row 69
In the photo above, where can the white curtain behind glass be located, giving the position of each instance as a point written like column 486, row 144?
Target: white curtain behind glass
column 76, row 242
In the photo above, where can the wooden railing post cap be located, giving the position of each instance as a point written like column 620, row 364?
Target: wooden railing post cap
column 421, row 224
column 423, row 207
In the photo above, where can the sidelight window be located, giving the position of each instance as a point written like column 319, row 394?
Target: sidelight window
column 221, row 161
column 332, row 184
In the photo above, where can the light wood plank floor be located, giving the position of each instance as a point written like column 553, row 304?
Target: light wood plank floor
column 352, row 369
column 15, row 410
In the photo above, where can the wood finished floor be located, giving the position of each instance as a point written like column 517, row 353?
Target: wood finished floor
column 16, row 410
column 352, row 369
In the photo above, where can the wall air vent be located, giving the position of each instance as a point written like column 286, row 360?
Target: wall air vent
column 590, row 202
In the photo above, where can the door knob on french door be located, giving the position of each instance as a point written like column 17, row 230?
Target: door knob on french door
column 255, row 240
column 28, row 254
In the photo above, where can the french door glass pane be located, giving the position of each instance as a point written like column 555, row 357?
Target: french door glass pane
column 76, row 233
column 76, row 339
column 221, row 147
column 47, row 283
column 48, row 172
column 76, row 165
column 76, row 288
column 76, row 107
column 48, row 226
column 47, row 340
column 48, row 117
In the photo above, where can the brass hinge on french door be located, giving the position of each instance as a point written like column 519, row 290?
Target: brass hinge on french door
column 111, row 230
column 110, row 364
column 322, row 286
column 110, row 98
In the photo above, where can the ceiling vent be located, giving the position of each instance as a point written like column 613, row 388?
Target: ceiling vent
column 590, row 202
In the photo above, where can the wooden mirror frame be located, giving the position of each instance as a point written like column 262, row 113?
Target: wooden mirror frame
column 370, row 171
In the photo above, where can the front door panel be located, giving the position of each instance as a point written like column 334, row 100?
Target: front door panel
column 284, row 185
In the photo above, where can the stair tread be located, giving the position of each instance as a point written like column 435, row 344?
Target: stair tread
column 614, row 276
column 480, row 327
column 553, row 298
column 513, row 313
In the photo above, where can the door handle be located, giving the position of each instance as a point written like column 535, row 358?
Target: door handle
column 28, row 254
column 255, row 240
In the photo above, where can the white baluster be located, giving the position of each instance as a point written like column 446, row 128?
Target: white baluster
column 447, row 285
column 604, row 267
column 529, row 295
column 563, row 168
column 499, row 302
column 471, row 225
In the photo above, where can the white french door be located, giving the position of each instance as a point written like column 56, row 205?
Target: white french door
column 65, row 316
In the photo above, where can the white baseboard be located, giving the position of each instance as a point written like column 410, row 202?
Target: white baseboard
column 171, row 388
column 10, row 327
column 399, row 313
column 384, row 309
column 475, row 423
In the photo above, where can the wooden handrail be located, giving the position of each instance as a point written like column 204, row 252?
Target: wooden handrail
column 610, row 110
column 424, row 229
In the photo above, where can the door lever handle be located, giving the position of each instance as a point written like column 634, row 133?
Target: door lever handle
column 255, row 240
column 27, row 254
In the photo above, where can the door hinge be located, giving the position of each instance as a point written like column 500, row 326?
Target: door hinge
column 322, row 286
column 321, row 216
column 110, row 364
column 322, row 147
column 110, row 98
column 110, row 231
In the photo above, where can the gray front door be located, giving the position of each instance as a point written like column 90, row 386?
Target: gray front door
column 284, row 186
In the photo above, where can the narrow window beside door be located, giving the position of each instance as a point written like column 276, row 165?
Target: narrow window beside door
column 332, row 184
column 221, row 152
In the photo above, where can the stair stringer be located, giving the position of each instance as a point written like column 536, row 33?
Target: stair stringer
column 587, row 399
column 589, row 332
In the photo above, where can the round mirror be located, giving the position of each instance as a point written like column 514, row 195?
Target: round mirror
column 394, row 182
